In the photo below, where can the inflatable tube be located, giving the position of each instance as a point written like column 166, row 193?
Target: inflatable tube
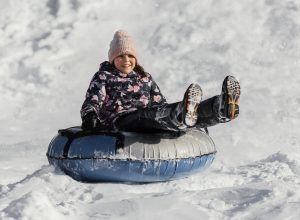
column 130, row 157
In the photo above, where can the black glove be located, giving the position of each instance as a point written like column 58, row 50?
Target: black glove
column 90, row 121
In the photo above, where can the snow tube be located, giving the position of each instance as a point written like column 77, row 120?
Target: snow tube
column 130, row 157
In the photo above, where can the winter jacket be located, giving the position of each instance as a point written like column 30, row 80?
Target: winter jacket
column 112, row 93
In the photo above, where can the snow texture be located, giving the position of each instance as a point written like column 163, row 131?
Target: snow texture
column 49, row 51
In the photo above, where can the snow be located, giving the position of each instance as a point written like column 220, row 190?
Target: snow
column 49, row 50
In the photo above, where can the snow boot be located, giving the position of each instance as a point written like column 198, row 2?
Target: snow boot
column 231, row 91
column 191, row 101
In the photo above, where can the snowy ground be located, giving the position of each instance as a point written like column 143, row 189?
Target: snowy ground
column 49, row 51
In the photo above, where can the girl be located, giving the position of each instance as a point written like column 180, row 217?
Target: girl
column 122, row 96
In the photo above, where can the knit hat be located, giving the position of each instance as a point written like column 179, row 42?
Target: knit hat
column 122, row 43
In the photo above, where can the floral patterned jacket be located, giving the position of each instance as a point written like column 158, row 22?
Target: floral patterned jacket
column 112, row 93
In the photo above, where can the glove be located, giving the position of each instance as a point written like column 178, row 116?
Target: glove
column 90, row 121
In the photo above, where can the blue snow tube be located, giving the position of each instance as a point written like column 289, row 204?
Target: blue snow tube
column 130, row 157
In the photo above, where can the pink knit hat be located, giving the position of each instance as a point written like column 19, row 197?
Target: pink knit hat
column 122, row 43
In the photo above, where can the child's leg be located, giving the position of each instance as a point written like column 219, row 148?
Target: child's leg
column 147, row 120
column 208, row 112
column 171, row 117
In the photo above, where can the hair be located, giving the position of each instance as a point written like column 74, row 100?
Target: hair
column 139, row 70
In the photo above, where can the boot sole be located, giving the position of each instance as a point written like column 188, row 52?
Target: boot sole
column 193, row 98
column 233, row 94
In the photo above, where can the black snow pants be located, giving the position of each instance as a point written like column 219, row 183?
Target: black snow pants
column 167, row 118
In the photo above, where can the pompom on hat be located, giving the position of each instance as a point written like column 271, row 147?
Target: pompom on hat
column 122, row 43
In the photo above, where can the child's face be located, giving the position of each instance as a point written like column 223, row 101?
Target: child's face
column 125, row 63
